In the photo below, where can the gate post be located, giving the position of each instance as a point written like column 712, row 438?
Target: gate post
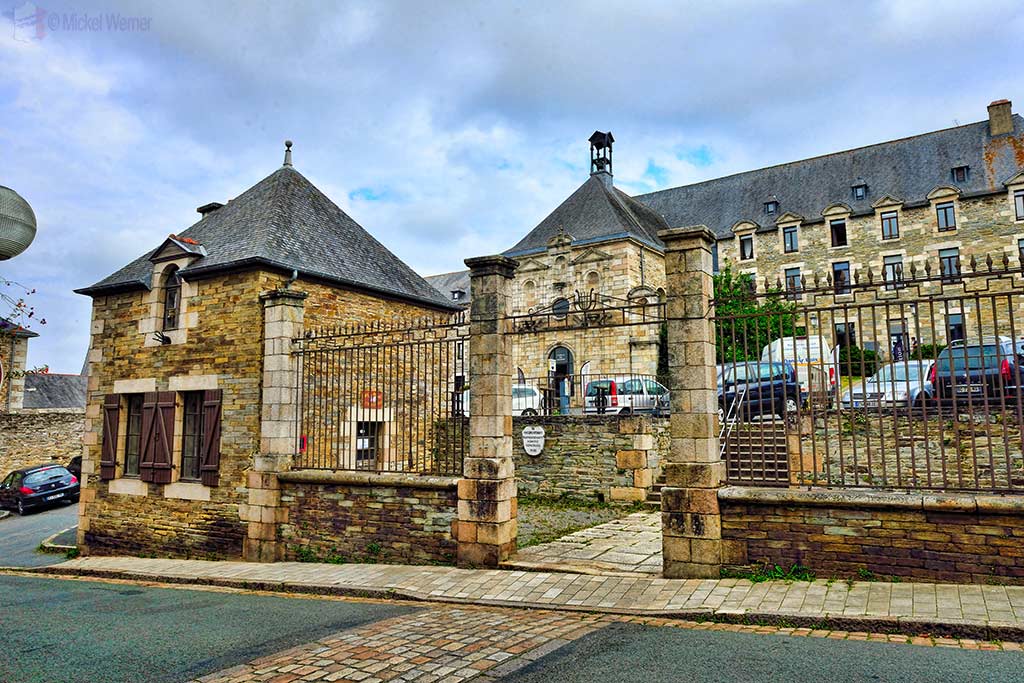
column 487, row 493
column 283, row 315
column 691, row 523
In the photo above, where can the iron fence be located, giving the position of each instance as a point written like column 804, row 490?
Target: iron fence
column 911, row 380
column 384, row 397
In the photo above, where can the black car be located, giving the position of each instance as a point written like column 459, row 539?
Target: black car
column 978, row 372
column 31, row 488
column 759, row 388
column 75, row 466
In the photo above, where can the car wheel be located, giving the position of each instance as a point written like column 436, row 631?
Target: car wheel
column 529, row 412
column 21, row 508
column 791, row 406
column 626, row 411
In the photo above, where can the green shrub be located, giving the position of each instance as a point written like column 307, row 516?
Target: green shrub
column 857, row 362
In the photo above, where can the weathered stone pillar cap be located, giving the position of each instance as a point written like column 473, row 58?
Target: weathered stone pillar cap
column 491, row 265
column 690, row 231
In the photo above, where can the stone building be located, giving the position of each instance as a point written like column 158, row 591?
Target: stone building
column 41, row 414
column 939, row 198
column 190, row 377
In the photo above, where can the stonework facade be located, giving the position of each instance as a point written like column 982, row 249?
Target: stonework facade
column 39, row 438
column 604, row 458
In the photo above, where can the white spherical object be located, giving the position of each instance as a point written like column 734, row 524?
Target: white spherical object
column 17, row 224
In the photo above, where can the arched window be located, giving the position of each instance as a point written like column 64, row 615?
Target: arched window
column 593, row 280
column 529, row 294
column 172, row 298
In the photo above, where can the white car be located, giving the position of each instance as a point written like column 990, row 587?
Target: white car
column 903, row 383
column 625, row 395
column 526, row 400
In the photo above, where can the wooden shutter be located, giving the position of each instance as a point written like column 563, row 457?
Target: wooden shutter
column 146, row 439
column 108, row 453
column 210, row 462
column 157, row 440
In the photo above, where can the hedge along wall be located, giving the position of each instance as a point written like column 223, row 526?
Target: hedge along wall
column 31, row 438
column 591, row 456
column 933, row 537
column 353, row 516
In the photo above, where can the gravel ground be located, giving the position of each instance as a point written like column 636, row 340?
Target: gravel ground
column 541, row 521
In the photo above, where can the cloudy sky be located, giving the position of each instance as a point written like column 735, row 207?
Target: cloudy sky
column 447, row 129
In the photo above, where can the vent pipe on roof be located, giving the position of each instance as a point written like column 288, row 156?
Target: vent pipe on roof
column 1000, row 117
column 287, row 152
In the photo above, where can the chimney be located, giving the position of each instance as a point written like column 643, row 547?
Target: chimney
column 1000, row 118
column 208, row 208
column 601, row 156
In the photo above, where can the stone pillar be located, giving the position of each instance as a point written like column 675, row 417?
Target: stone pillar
column 487, row 493
column 14, row 357
column 694, row 470
column 283, row 312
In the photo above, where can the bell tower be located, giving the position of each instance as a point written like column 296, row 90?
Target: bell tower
column 601, row 156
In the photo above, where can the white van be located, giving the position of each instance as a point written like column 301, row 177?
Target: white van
column 812, row 357
column 526, row 400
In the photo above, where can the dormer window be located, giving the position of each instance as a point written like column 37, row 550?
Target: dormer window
column 771, row 207
column 959, row 174
column 458, row 294
column 860, row 191
column 172, row 298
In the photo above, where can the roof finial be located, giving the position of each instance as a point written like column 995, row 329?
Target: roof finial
column 287, row 152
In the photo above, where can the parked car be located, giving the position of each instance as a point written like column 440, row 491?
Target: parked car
column 526, row 400
column 723, row 368
column 899, row 384
column 75, row 466
column 36, row 487
column 759, row 388
column 625, row 395
column 980, row 370
column 812, row 357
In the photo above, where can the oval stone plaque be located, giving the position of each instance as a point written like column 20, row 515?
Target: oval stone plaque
column 533, row 440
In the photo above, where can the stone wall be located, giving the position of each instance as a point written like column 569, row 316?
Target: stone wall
column 39, row 438
column 591, row 457
column 352, row 516
column 13, row 358
column 942, row 537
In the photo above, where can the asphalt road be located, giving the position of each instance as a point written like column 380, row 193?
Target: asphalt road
column 20, row 536
column 627, row 652
column 70, row 631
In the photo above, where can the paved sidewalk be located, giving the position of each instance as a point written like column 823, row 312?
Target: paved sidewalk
column 627, row 546
column 983, row 612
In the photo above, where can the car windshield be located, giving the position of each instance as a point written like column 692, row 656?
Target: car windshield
column 900, row 372
column 975, row 357
column 742, row 373
column 42, row 476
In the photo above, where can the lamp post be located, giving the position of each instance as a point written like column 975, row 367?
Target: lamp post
column 17, row 224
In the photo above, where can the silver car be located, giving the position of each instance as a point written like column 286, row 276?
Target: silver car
column 899, row 384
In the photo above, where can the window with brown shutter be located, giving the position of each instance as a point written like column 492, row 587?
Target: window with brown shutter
column 210, row 467
column 108, row 454
column 157, row 437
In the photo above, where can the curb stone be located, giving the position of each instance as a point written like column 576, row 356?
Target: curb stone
column 965, row 628
column 48, row 546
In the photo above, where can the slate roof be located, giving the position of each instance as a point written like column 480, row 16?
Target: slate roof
column 284, row 222
column 908, row 169
column 13, row 328
column 50, row 391
column 446, row 283
column 595, row 212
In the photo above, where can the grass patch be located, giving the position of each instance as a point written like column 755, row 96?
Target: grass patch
column 770, row 572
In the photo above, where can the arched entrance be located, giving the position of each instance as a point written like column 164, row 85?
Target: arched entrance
column 560, row 369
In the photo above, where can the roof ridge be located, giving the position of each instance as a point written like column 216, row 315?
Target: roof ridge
column 821, row 156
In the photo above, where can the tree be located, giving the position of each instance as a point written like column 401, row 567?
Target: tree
column 746, row 322
column 14, row 306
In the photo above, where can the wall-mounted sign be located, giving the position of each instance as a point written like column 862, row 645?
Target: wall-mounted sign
column 373, row 400
column 533, row 440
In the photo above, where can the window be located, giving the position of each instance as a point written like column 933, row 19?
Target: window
column 846, row 334
column 746, row 247
column 790, row 240
column 841, row 277
column 892, row 271
column 367, row 442
column 133, row 436
column 771, row 207
column 192, row 435
column 172, row 298
column 1018, row 203
column 890, row 225
column 1020, row 251
column 860, row 191
column 955, row 327
column 959, row 174
column 593, row 280
column 838, row 229
column 793, row 283
column 458, row 294
column 949, row 264
column 560, row 308
column 946, row 216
